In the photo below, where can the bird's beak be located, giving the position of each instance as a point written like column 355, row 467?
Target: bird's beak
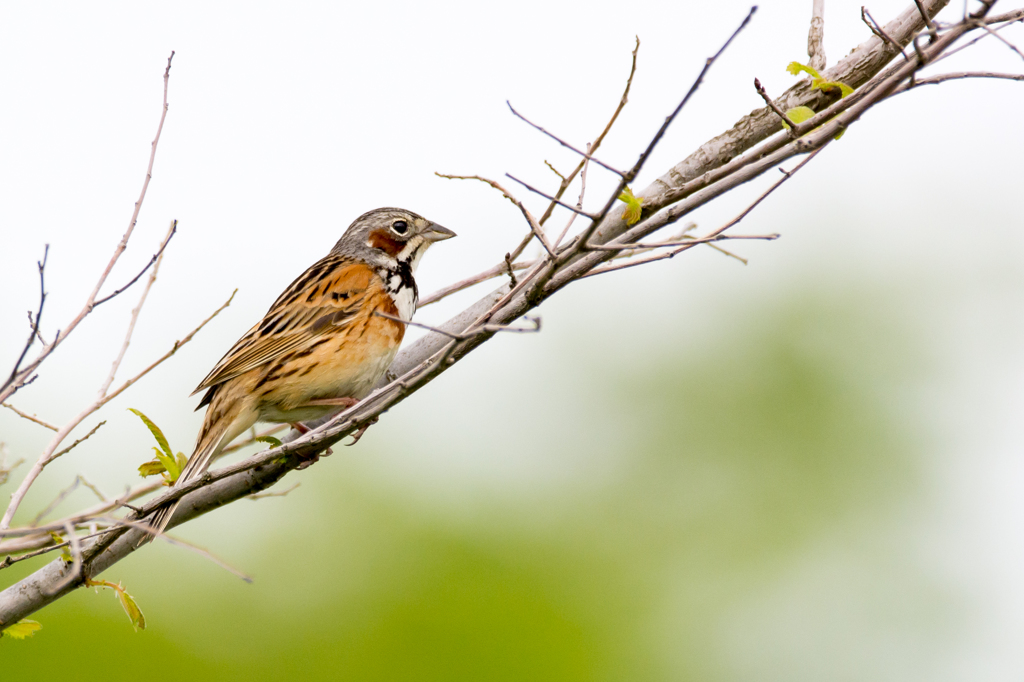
column 436, row 233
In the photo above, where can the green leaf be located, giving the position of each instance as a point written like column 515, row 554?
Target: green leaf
column 64, row 553
column 825, row 86
column 22, row 629
column 796, row 67
column 799, row 115
column 634, row 206
column 132, row 609
column 152, row 468
column 268, row 439
column 169, row 464
column 181, row 460
column 155, row 430
column 817, row 81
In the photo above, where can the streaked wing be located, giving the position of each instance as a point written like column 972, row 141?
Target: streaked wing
column 322, row 300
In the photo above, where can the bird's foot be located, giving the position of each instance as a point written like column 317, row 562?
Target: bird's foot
column 362, row 429
column 308, row 461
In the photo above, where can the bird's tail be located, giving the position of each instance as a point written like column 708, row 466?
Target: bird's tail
column 212, row 440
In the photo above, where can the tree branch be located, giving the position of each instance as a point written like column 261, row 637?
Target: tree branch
column 716, row 168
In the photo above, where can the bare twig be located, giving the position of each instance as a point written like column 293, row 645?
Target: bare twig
column 579, row 202
column 877, row 29
column 925, row 17
column 74, row 572
column 535, row 227
column 615, row 246
column 586, row 155
column 79, row 480
column 135, row 313
column 496, row 271
column 790, row 126
column 983, row 26
column 597, row 140
column 957, row 75
column 76, row 443
column 30, row 417
column 483, row 329
column 816, row 36
column 22, row 376
column 511, row 268
column 554, row 170
column 34, row 330
column 178, row 542
column 273, row 493
column 714, row 233
column 549, row 197
column 1007, row 19
column 47, row 456
column 254, row 439
column 152, row 261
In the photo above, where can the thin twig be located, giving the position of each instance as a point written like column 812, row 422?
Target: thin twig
column 496, row 271
column 549, row 197
column 46, row 457
column 483, row 329
column 638, row 166
column 30, row 417
column 927, row 19
column 34, row 331
column 75, row 570
column 76, row 443
column 956, row 75
column 152, row 261
column 554, row 170
column 714, row 233
column 579, row 202
column 272, row 493
column 1007, row 19
column 178, row 542
column 254, row 439
column 998, row 37
column 786, row 122
column 22, row 377
column 613, row 246
column 586, row 155
column 135, row 314
column 877, row 29
column 535, row 227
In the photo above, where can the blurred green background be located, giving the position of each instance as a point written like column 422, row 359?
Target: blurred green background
column 805, row 468
column 719, row 472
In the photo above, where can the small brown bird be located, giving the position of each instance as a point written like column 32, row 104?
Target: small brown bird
column 320, row 346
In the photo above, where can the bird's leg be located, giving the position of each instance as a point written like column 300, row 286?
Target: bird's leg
column 303, row 429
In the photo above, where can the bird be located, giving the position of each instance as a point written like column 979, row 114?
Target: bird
column 324, row 343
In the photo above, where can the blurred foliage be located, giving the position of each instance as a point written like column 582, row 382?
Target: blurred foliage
column 740, row 457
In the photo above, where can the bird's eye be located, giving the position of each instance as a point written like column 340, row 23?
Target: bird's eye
column 400, row 227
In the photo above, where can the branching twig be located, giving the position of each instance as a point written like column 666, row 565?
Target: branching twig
column 33, row 332
column 22, row 376
column 30, row 417
column 152, row 261
column 586, row 155
column 866, row 17
column 47, row 456
column 535, row 227
column 790, row 126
